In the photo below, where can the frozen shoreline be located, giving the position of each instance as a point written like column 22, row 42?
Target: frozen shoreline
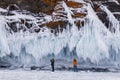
column 57, row 75
column 64, row 68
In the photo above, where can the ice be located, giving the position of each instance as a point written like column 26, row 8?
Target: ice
column 4, row 48
column 93, row 41
column 114, row 27
column 57, row 75
column 92, row 44
column 74, row 34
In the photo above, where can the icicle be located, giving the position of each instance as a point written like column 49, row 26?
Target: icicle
column 4, row 48
column 92, row 44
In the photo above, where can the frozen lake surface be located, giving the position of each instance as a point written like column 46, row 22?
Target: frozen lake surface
column 57, row 75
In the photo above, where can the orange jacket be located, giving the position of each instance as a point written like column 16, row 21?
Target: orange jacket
column 74, row 62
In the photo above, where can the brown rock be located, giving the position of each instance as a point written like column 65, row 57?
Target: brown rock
column 79, row 15
column 74, row 4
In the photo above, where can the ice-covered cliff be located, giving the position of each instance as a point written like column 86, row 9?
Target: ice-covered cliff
column 88, row 30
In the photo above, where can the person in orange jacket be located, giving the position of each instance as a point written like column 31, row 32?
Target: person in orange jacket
column 75, row 65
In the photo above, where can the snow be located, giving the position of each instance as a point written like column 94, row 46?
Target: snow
column 115, row 1
column 80, row 1
column 3, row 10
column 47, row 17
column 69, row 12
column 57, row 75
column 20, row 16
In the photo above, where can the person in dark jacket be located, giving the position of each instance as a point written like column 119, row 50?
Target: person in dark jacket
column 52, row 64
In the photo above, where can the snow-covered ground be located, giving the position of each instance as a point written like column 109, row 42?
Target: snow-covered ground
column 57, row 75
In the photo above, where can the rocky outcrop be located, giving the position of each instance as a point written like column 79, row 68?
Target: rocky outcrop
column 46, row 6
column 56, row 12
column 114, row 7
